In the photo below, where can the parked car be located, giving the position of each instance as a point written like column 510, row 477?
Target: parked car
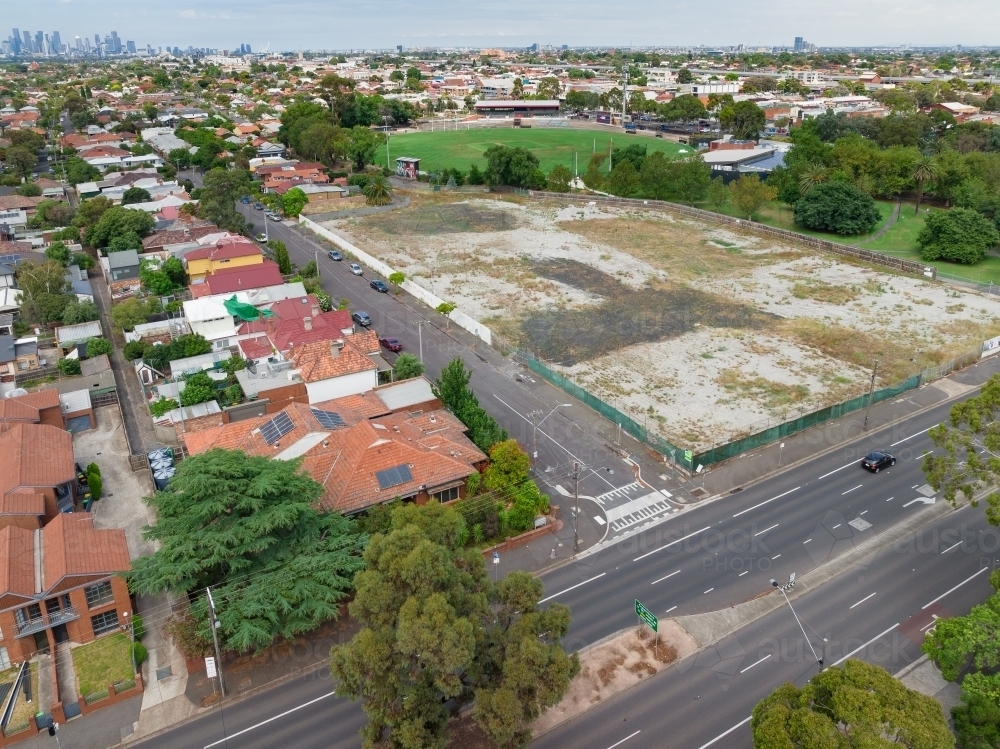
column 258, row 207
column 261, row 237
column 334, row 255
column 875, row 461
column 392, row 344
column 245, row 199
column 356, row 269
column 361, row 318
column 380, row 286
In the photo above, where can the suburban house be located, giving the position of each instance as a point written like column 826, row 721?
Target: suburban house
column 59, row 584
column 70, row 335
column 227, row 253
column 240, row 278
column 37, row 475
column 16, row 356
column 123, row 265
column 961, row 112
column 6, row 324
column 208, row 316
column 335, row 368
column 293, row 322
column 159, row 240
column 39, row 407
column 6, row 276
column 77, row 278
column 362, row 453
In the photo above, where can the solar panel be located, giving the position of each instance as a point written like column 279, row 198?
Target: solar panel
column 276, row 428
column 394, row 476
column 12, row 259
column 328, row 419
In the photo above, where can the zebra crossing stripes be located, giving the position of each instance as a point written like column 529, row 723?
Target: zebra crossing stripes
column 622, row 492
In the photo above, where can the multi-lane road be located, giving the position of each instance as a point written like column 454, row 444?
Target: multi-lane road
column 708, row 557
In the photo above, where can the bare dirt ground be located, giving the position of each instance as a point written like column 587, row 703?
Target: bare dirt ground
column 699, row 332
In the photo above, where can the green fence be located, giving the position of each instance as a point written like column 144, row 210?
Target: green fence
column 718, row 453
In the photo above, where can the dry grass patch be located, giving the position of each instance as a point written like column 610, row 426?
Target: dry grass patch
column 825, row 292
column 773, row 394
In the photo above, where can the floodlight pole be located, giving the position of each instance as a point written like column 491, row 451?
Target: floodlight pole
column 791, row 584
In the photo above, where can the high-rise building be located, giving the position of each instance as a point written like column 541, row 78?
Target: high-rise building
column 799, row 43
column 249, row 51
column 15, row 42
column 399, row 49
column 116, row 43
column 27, row 42
column 130, row 46
column 56, row 43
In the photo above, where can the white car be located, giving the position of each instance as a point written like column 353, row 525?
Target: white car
column 356, row 269
column 261, row 237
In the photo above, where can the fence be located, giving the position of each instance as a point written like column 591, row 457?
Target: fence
column 876, row 258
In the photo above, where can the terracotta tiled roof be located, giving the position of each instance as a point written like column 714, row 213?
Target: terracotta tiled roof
column 367, row 405
column 327, row 326
column 74, row 547
column 18, row 202
column 12, row 410
column 324, row 360
column 244, row 277
column 35, row 455
column 255, row 348
column 39, row 399
column 225, row 249
column 176, row 236
column 17, row 562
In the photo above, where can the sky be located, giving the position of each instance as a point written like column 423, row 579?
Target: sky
column 358, row 24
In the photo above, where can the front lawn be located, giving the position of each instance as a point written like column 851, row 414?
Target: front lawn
column 22, row 708
column 103, row 662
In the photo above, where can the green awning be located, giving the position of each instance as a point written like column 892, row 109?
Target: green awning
column 246, row 312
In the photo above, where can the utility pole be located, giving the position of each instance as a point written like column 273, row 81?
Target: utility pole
column 316, row 260
column 420, row 337
column 214, row 623
column 576, row 508
column 624, row 97
column 871, row 394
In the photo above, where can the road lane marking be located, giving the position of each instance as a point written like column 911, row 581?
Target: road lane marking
column 573, row 587
column 775, row 557
column 807, row 540
column 683, row 538
column 755, row 663
column 862, row 647
column 761, row 533
column 861, row 601
column 836, row 526
column 747, row 572
column 853, row 462
column 619, row 743
column 925, row 454
column 723, row 735
column 970, row 577
column 766, row 501
column 917, row 434
column 851, row 490
column 890, row 499
column 863, row 512
column 671, row 609
column 664, row 578
column 708, row 591
column 951, row 547
column 265, row 722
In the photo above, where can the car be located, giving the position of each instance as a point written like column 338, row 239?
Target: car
column 356, row 269
column 392, row 344
column 334, row 255
column 245, row 200
column 258, row 207
column 261, row 237
column 876, row 460
column 380, row 286
column 361, row 318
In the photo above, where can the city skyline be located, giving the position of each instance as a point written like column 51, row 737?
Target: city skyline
column 311, row 24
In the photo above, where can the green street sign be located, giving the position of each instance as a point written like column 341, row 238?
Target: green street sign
column 688, row 456
column 646, row 615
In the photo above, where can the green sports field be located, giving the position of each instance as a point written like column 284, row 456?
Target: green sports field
column 461, row 148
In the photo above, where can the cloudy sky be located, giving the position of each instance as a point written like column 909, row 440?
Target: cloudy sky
column 347, row 24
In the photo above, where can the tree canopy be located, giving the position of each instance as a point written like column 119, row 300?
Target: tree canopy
column 512, row 166
column 436, row 634
column 217, row 199
column 853, row 706
column 247, row 527
column 960, row 235
column 452, row 389
column 118, row 222
column 837, row 207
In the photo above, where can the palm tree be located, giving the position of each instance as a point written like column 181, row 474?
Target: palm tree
column 378, row 191
column 814, row 174
column 924, row 171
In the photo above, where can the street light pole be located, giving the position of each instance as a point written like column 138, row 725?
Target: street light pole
column 420, row 337
column 576, row 508
column 791, row 584
column 871, row 394
column 214, row 623
column 534, row 429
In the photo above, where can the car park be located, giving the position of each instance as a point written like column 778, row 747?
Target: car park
column 380, row 286
column 392, row 344
column 876, row 460
column 334, row 255
column 362, row 318
column 356, row 269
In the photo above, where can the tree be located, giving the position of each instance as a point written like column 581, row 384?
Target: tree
column 977, row 722
column 654, row 176
column 130, row 313
column 559, row 179
column 959, row 235
column 44, row 291
column 59, row 252
column 98, row 346
column 593, row 178
column 174, row 269
column 855, row 705
column 118, row 222
column 69, row 367
column 362, row 145
column 718, row 194
column 293, row 201
column 217, row 199
column 198, row 388
column 136, row 195
column 77, row 312
column 21, row 160
column 837, row 207
column 281, row 256
column 90, row 211
column 548, row 87
column 29, row 190
column 959, row 642
column 811, row 176
column 623, row 180
column 79, row 171
column 689, row 179
column 452, row 389
column 923, row 172
column 684, row 76
column 514, row 166
column 378, row 191
column 282, row 566
column 744, row 120
column 396, row 278
column 155, row 281
column 684, row 108
column 128, row 240
column 749, row 194
column 431, row 643
column 407, row 366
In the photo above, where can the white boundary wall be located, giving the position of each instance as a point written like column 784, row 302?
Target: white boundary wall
column 457, row 316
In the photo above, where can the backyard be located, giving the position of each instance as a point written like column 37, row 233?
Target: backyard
column 698, row 331
column 103, row 662
column 552, row 145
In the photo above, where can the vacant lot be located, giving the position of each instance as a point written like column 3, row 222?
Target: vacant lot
column 552, row 145
column 697, row 331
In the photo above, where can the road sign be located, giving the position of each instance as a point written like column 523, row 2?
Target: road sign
column 688, row 456
column 496, row 558
column 646, row 615
column 210, row 666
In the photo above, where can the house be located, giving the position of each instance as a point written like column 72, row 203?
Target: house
column 17, row 356
column 76, row 277
column 961, row 112
column 39, row 407
column 70, row 335
column 240, row 278
column 342, row 366
column 60, row 584
column 37, row 475
column 226, row 253
column 159, row 240
column 7, row 276
column 123, row 265
column 293, row 322
column 6, row 324
column 209, row 316
column 361, row 454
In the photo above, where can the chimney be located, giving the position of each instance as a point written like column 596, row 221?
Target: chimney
column 315, row 310
column 187, row 232
column 307, row 323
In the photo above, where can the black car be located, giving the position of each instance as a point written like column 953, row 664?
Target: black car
column 876, row 461
column 334, row 255
column 362, row 319
column 379, row 286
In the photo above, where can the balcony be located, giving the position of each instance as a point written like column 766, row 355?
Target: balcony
column 31, row 626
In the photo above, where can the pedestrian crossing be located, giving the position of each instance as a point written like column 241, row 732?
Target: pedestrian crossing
column 644, row 509
column 627, row 493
